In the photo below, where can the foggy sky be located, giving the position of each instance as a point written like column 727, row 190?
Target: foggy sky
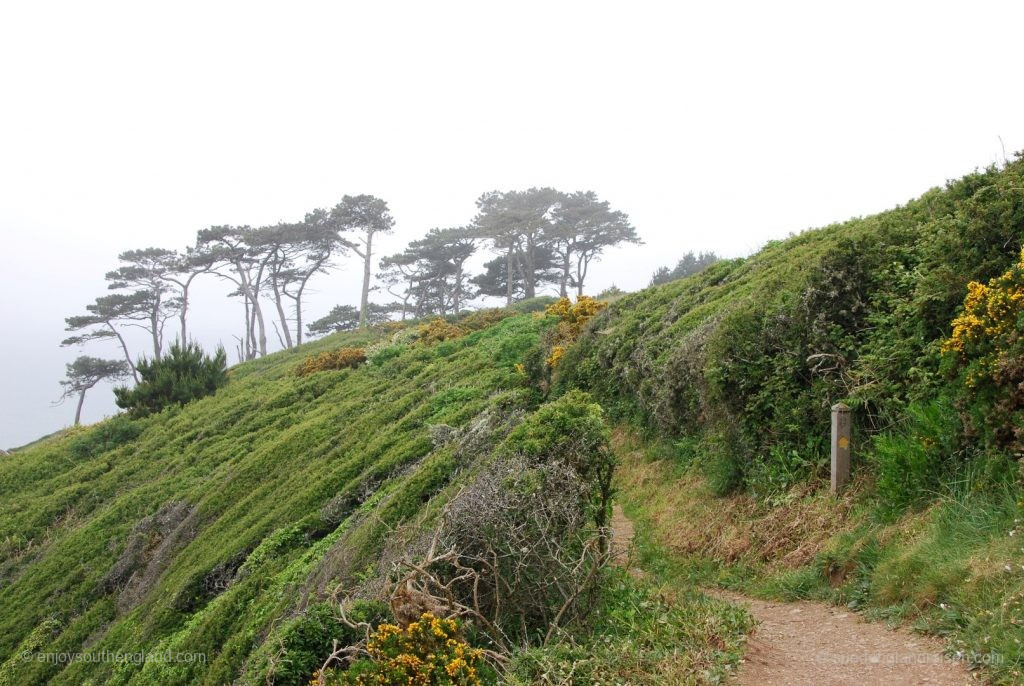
column 715, row 126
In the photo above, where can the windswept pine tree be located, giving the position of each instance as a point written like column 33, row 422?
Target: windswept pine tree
column 429, row 275
column 544, row 236
column 366, row 217
column 84, row 373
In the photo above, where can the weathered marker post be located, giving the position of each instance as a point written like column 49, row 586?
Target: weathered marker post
column 840, row 446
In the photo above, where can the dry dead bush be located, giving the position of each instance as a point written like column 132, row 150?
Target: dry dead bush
column 515, row 553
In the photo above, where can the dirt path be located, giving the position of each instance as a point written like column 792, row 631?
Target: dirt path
column 622, row 536
column 805, row 643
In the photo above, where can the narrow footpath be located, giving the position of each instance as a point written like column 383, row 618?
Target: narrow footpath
column 804, row 643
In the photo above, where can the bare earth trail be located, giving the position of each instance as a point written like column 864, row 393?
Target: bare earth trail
column 805, row 643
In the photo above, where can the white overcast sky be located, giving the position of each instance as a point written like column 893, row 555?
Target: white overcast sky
column 715, row 126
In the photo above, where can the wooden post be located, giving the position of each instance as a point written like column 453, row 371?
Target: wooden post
column 840, row 446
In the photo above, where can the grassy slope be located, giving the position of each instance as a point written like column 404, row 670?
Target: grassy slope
column 258, row 461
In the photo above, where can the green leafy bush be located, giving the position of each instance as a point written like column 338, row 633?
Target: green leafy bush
column 780, row 470
column 531, row 305
column 182, row 375
column 105, row 436
column 913, row 460
column 572, row 430
column 382, row 354
column 307, row 641
column 723, row 461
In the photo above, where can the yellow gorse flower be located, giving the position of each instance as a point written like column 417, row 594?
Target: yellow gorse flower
column 425, row 652
column 990, row 316
column 572, row 319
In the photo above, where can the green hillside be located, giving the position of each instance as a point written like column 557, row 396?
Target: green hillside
column 222, row 528
column 270, row 477
column 753, row 352
column 226, row 526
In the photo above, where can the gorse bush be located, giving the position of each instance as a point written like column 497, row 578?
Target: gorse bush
column 438, row 330
column 481, row 319
column 569, row 320
column 573, row 317
column 427, row 652
column 343, row 358
column 987, row 353
column 182, row 375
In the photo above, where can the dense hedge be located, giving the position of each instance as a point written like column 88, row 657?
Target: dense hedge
column 747, row 357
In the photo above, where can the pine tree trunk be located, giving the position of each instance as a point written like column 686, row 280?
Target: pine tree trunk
column 127, row 355
column 508, row 278
column 581, row 273
column 155, row 326
column 78, row 410
column 458, row 289
column 184, row 311
column 284, row 319
column 249, row 342
column 563, row 290
column 365, row 299
column 262, row 327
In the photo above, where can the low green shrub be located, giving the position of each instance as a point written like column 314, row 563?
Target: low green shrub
column 382, row 354
column 723, row 461
column 912, row 460
column 104, row 436
column 307, row 641
column 637, row 637
column 481, row 319
column 572, row 430
column 782, row 468
column 531, row 305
